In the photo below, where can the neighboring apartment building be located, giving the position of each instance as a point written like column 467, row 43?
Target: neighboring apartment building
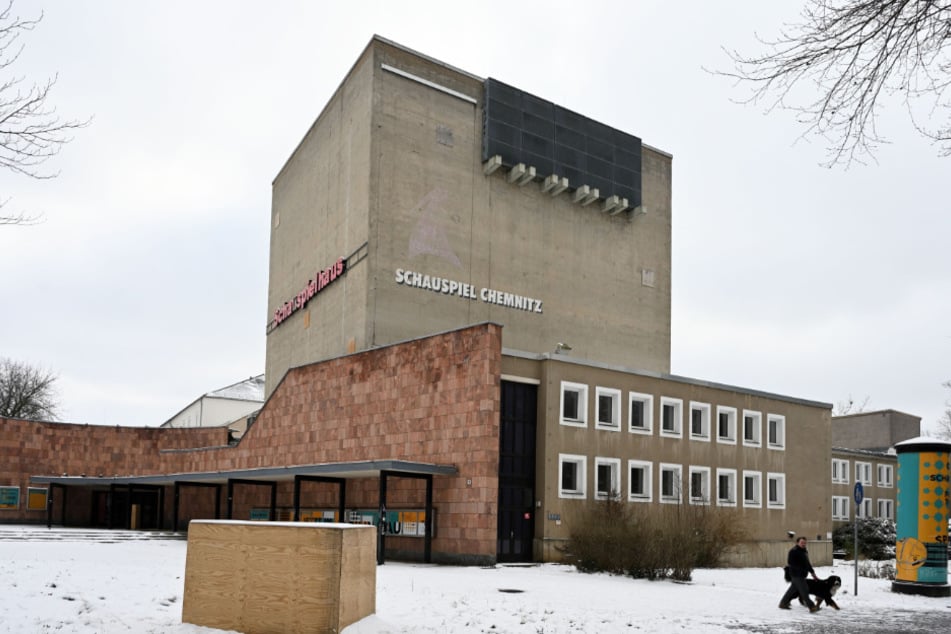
column 862, row 451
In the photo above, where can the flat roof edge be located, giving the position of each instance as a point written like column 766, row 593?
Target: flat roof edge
column 562, row 358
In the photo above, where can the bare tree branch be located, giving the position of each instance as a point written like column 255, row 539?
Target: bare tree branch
column 843, row 408
column 31, row 132
column 26, row 392
column 944, row 423
column 857, row 54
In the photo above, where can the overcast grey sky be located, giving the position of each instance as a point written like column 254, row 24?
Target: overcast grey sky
column 146, row 284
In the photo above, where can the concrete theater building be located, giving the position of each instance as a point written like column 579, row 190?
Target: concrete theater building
column 470, row 326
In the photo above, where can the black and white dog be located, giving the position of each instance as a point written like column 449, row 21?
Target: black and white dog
column 824, row 590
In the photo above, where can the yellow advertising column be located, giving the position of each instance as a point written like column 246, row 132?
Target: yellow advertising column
column 921, row 548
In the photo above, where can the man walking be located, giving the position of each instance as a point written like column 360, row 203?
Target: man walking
column 799, row 567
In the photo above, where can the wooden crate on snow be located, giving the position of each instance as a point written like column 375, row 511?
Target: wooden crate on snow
column 287, row 577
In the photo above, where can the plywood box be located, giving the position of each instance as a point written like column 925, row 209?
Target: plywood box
column 279, row 577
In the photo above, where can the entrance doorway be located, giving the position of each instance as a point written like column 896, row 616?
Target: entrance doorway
column 516, row 530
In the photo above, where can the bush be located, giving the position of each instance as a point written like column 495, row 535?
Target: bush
column 876, row 538
column 652, row 543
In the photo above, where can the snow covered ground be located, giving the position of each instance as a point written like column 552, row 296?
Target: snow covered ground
column 93, row 587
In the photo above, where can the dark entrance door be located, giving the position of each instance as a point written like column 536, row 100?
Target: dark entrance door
column 517, row 472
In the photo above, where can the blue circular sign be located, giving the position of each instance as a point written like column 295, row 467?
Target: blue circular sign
column 859, row 493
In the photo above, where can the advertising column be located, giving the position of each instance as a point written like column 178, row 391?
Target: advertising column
column 921, row 548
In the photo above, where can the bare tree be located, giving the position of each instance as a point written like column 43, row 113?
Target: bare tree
column 857, row 54
column 851, row 407
column 26, row 392
column 944, row 423
column 30, row 130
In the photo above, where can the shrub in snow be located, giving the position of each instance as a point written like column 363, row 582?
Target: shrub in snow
column 652, row 543
column 876, row 538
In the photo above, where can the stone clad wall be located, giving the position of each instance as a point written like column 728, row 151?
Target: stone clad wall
column 433, row 400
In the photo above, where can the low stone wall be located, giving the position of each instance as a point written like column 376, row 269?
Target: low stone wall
column 774, row 553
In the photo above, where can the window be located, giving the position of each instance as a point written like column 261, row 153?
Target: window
column 886, row 509
column 609, row 409
column 885, row 476
column 840, row 508
column 864, row 509
column 672, row 414
column 726, row 487
column 670, row 483
column 574, row 404
column 752, row 488
column 863, row 472
column 726, row 425
column 639, row 481
column 777, row 431
column 699, row 421
column 607, row 478
column 699, row 485
column 840, row 471
column 776, row 490
column 641, row 413
column 571, row 471
column 752, row 428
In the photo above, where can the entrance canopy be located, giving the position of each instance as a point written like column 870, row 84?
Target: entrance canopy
column 347, row 470
column 336, row 473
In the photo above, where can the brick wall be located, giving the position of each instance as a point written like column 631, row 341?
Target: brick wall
column 433, row 400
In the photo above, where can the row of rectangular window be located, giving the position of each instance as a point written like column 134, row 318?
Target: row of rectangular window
column 842, row 503
column 574, row 409
column 863, row 473
column 572, row 478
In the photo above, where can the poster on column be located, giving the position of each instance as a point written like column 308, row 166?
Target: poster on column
column 921, row 549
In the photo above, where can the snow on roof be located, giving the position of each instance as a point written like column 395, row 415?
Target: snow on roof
column 251, row 389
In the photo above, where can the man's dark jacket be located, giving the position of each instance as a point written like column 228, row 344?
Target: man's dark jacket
column 798, row 562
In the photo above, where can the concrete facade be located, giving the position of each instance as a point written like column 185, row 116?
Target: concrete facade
column 878, row 473
column 796, row 460
column 875, row 431
column 863, row 451
column 390, row 178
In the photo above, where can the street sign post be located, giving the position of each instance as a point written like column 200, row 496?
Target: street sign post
column 859, row 495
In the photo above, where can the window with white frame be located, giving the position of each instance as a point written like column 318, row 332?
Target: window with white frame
column 699, row 485
column 699, row 421
column 776, row 431
column 726, row 425
column 726, row 487
column 864, row 509
column 776, row 490
column 885, row 475
column 840, row 508
column 639, row 481
column 840, row 471
column 571, row 476
column 609, row 409
column 672, row 416
column 640, row 413
column 863, row 472
column 752, row 428
column 886, row 509
column 670, row 483
column 752, row 489
column 607, row 478
column 574, row 404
